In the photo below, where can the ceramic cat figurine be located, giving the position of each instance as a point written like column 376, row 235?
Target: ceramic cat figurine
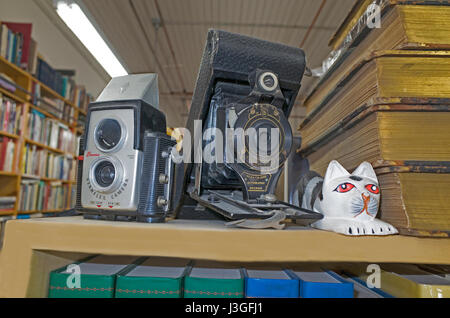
column 348, row 202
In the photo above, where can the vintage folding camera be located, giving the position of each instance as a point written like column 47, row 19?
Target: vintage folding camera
column 126, row 169
column 244, row 84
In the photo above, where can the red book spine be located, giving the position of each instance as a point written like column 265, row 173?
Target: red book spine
column 3, row 146
column 25, row 29
column 7, row 114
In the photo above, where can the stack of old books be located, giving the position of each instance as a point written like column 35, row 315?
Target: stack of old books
column 386, row 99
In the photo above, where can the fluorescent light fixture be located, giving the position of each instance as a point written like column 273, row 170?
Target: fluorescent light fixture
column 80, row 25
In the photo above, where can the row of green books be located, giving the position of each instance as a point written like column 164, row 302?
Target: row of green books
column 157, row 277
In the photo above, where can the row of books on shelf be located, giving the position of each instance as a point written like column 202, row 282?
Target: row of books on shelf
column 7, row 202
column 62, row 82
column 17, row 46
column 158, row 277
column 6, row 82
column 38, row 195
column 46, row 164
column 7, row 149
column 371, row 105
column 50, row 132
column 55, row 106
column 10, row 115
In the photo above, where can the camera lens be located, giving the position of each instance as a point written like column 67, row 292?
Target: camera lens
column 108, row 134
column 105, row 173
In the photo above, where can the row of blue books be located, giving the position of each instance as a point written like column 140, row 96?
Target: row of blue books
column 306, row 283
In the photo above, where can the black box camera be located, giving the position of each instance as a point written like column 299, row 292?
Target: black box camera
column 244, row 84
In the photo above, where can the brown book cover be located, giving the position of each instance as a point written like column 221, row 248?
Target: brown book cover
column 416, row 27
column 417, row 76
column 415, row 196
column 354, row 17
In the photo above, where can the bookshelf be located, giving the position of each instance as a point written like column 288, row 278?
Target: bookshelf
column 13, row 179
column 32, row 248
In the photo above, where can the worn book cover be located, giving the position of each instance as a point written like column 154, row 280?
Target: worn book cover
column 409, row 281
column 270, row 283
column 155, row 277
column 94, row 277
column 404, row 27
column 388, row 132
column 356, row 19
column 362, row 290
column 410, row 77
column 214, row 280
column 316, row 282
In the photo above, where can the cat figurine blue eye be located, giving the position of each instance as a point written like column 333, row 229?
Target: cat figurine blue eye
column 348, row 202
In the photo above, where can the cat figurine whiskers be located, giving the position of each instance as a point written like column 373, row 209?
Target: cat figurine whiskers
column 348, row 202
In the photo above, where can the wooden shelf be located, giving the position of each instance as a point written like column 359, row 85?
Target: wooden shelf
column 26, row 81
column 7, row 212
column 20, row 72
column 16, row 69
column 12, row 136
column 57, row 95
column 12, row 95
column 50, row 115
column 41, row 211
column 29, row 212
column 33, row 242
column 39, row 145
column 29, row 176
column 8, row 173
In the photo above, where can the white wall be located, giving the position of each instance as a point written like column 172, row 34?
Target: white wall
column 53, row 44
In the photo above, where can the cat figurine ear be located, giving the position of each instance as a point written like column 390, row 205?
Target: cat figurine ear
column 365, row 169
column 335, row 170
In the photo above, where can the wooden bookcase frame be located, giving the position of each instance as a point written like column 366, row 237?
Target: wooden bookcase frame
column 11, row 181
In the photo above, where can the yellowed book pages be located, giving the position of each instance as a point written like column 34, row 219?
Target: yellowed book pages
column 402, row 27
column 350, row 21
column 410, row 152
column 414, row 76
column 416, row 203
column 386, row 135
column 361, row 6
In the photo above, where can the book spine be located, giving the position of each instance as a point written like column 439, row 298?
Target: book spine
column 4, row 41
column 3, row 146
column 14, row 49
column 6, row 116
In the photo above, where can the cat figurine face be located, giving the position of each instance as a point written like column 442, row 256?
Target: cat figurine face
column 349, row 202
column 355, row 195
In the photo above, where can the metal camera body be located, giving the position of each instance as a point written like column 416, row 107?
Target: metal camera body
column 122, row 152
column 242, row 82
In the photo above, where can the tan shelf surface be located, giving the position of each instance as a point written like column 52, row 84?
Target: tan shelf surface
column 31, row 246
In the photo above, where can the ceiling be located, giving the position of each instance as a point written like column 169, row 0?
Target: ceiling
column 174, row 51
